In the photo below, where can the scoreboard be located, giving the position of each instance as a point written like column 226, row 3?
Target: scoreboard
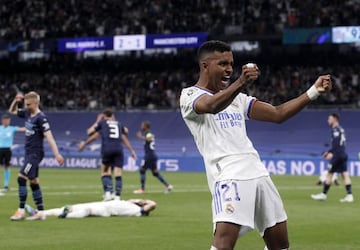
column 131, row 42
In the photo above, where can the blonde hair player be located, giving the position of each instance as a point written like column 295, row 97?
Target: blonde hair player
column 37, row 127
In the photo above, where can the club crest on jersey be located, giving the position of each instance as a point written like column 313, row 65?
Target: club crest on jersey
column 229, row 209
column 190, row 92
column 29, row 128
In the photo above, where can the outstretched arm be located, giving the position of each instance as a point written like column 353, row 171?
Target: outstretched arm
column 139, row 135
column 262, row 111
column 89, row 140
column 21, row 129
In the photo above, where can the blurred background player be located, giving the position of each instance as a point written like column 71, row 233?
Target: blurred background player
column 150, row 158
column 337, row 158
column 7, row 133
column 37, row 127
column 131, row 207
column 323, row 176
column 113, row 135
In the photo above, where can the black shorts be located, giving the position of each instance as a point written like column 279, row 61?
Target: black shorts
column 113, row 159
column 5, row 156
column 31, row 165
column 150, row 164
column 338, row 165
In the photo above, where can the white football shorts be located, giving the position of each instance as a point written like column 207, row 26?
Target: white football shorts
column 254, row 203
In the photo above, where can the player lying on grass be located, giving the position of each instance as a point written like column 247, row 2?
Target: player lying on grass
column 131, row 207
column 322, row 178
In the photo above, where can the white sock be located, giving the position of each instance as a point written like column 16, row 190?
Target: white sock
column 213, row 248
column 80, row 213
column 53, row 212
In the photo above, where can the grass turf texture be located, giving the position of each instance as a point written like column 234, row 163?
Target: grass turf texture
column 182, row 219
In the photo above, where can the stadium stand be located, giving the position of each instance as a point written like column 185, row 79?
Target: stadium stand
column 29, row 19
column 92, row 87
column 73, row 86
column 139, row 79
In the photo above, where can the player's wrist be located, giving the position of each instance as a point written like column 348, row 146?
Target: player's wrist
column 313, row 93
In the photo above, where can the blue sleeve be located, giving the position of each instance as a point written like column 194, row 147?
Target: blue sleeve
column 21, row 113
column 14, row 129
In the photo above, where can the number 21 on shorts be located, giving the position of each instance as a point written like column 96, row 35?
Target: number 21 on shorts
column 225, row 192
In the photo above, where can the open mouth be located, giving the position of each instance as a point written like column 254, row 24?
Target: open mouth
column 225, row 79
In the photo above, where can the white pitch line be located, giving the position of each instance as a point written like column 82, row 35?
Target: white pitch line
column 95, row 190
column 47, row 192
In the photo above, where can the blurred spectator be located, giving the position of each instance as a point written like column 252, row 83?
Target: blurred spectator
column 155, row 83
column 36, row 19
column 69, row 82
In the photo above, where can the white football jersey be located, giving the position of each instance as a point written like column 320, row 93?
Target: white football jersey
column 221, row 138
column 98, row 208
column 109, row 208
column 89, row 209
column 123, row 208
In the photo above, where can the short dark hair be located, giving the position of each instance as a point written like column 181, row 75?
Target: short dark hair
column 147, row 124
column 5, row 116
column 108, row 112
column 336, row 116
column 212, row 46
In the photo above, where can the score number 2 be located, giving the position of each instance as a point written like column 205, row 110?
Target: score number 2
column 129, row 42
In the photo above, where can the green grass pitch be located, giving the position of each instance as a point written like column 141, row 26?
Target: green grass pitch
column 182, row 219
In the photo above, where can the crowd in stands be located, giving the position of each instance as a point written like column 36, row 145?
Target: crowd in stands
column 127, row 82
column 37, row 19
column 156, row 83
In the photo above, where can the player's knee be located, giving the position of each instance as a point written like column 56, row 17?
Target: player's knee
column 156, row 174
column 21, row 181
column 34, row 181
column 142, row 171
column 34, row 186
